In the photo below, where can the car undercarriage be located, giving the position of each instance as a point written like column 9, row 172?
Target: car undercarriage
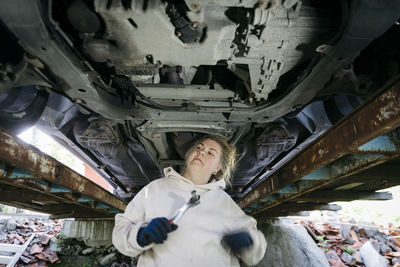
column 129, row 85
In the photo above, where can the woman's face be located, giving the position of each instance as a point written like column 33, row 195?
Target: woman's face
column 204, row 159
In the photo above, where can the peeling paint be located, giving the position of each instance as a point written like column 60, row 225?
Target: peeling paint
column 51, row 179
column 372, row 119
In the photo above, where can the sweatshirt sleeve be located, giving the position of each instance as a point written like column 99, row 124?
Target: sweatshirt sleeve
column 255, row 253
column 127, row 226
column 243, row 222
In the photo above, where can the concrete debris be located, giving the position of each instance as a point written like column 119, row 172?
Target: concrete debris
column 290, row 245
column 345, row 231
column 371, row 257
column 53, row 244
column 357, row 256
column 50, row 246
column 87, row 251
column 108, row 259
column 385, row 249
column 11, row 224
column 346, row 245
column 348, row 259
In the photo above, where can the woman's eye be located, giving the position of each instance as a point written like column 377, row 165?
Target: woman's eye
column 211, row 154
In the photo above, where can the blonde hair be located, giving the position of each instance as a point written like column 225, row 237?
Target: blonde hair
column 227, row 160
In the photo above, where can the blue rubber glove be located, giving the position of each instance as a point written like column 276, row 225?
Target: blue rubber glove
column 156, row 231
column 238, row 241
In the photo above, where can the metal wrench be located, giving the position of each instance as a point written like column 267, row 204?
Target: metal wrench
column 193, row 201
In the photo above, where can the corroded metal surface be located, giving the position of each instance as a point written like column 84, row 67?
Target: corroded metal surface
column 374, row 118
column 27, row 167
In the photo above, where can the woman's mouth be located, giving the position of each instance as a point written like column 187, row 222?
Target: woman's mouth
column 199, row 160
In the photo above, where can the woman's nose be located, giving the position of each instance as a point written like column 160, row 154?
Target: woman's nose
column 200, row 152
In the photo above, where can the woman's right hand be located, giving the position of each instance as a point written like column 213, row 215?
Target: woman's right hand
column 156, row 231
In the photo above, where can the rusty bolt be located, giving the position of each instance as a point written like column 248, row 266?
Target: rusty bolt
column 347, row 66
column 194, row 6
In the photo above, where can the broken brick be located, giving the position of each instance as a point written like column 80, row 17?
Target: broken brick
column 20, row 238
column 36, row 249
column 44, row 239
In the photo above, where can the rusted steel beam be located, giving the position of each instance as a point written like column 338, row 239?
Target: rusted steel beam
column 277, row 213
column 293, row 206
column 334, row 171
column 26, row 157
column 23, row 196
column 61, row 194
column 372, row 119
column 343, row 195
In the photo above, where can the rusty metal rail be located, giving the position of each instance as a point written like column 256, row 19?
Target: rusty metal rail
column 33, row 180
column 365, row 138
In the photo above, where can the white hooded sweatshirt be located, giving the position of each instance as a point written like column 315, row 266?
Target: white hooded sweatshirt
column 197, row 241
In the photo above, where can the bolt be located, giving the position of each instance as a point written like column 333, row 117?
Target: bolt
column 78, row 101
column 178, row 33
column 194, row 24
column 346, row 67
column 194, row 6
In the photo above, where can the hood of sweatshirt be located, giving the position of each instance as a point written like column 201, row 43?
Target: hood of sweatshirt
column 170, row 173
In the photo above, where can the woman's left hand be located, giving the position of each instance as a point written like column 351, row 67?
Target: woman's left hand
column 238, row 241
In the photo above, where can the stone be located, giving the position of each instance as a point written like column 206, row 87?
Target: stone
column 376, row 245
column 331, row 255
column 4, row 220
column 347, row 258
column 111, row 249
column 394, row 260
column 288, row 245
column 11, row 224
column 370, row 257
column 87, row 251
column 53, row 244
column 357, row 256
column 371, row 232
column 3, row 236
column 108, row 259
column 385, row 249
column 382, row 237
column 345, row 231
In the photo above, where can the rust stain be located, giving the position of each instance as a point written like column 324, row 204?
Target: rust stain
column 32, row 160
column 383, row 113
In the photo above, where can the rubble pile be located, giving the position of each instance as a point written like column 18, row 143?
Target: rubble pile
column 41, row 249
column 73, row 250
column 50, row 248
column 350, row 245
